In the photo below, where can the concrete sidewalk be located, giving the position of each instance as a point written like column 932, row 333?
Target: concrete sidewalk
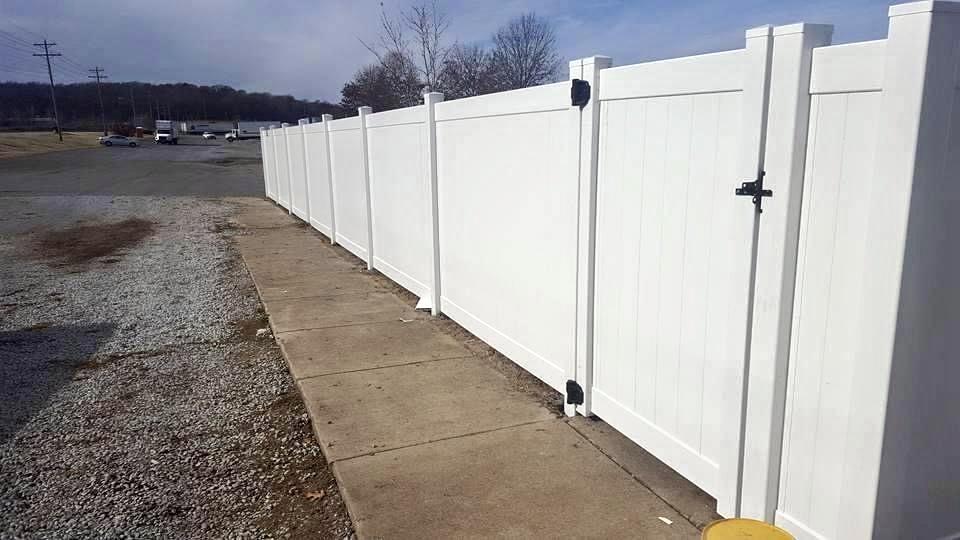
column 429, row 433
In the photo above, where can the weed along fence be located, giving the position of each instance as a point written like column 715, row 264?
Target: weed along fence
column 743, row 260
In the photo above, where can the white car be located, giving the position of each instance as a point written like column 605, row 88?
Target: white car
column 118, row 140
column 208, row 135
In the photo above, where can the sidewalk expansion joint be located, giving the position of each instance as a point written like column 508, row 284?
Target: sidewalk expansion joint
column 391, row 366
column 635, row 477
column 441, row 439
column 337, row 326
column 323, row 295
column 273, row 227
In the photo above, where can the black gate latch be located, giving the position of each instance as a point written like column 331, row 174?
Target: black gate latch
column 755, row 189
column 574, row 393
column 579, row 92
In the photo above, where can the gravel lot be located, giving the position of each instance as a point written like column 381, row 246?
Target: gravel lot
column 138, row 399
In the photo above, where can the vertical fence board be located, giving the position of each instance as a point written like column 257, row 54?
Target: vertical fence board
column 399, row 182
column 350, row 201
column 318, row 177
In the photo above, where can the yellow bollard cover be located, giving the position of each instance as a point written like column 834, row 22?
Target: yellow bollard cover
column 739, row 529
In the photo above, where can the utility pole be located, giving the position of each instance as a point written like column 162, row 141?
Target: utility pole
column 133, row 105
column 53, row 96
column 97, row 70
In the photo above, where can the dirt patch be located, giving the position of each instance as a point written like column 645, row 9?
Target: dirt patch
column 229, row 162
column 39, row 326
column 86, row 242
column 247, row 328
column 309, row 504
column 521, row 379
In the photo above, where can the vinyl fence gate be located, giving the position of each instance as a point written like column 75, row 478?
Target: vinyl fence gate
column 674, row 255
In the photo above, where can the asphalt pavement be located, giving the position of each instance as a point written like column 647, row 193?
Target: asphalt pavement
column 192, row 168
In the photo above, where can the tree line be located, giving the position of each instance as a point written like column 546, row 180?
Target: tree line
column 414, row 55
column 139, row 104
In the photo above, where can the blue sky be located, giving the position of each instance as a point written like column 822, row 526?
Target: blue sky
column 310, row 48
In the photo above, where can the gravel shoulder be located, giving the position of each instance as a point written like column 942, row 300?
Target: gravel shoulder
column 139, row 399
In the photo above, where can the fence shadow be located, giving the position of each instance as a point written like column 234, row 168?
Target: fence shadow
column 35, row 362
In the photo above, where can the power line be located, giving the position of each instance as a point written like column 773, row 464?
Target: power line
column 72, row 71
column 13, row 45
column 73, row 63
column 5, row 69
column 97, row 71
column 53, row 96
column 15, row 38
column 16, row 42
column 24, row 30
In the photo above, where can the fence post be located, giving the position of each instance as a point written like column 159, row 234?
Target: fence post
column 367, row 192
column 587, row 69
column 327, row 118
column 744, row 224
column 286, row 140
column 430, row 101
column 908, row 340
column 777, row 242
column 263, row 161
column 276, row 162
column 306, row 165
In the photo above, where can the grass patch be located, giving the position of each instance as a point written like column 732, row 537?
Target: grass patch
column 16, row 144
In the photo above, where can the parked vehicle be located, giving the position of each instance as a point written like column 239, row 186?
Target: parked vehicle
column 207, row 135
column 248, row 130
column 166, row 132
column 118, row 140
column 198, row 127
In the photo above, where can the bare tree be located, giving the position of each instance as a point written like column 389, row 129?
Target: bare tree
column 466, row 72
column 389, row 40
column 428, row 24
column 525, row 53
column 390, row 84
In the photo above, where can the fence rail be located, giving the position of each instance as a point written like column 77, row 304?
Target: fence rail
column 772, row 358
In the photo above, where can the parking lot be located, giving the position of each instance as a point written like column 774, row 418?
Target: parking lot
column 144, row 396
column 192, row 168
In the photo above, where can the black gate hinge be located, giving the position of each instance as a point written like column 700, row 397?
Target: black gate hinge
column 579, row 93
column 755, row 189
column 574, row 393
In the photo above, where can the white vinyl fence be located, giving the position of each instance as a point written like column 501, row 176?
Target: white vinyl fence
column 281, row 165
column 799, row 363
column 400, row 191
column 508, row 189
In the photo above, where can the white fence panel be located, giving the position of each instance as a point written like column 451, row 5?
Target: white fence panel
column 400, row 191
column 318, row 176
column 298, row 177
column 819, row 441
column 349, row 185
column 508, row 204
column 266, row 157
column 820, row 437
column 674, row 256
column 283, row 169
